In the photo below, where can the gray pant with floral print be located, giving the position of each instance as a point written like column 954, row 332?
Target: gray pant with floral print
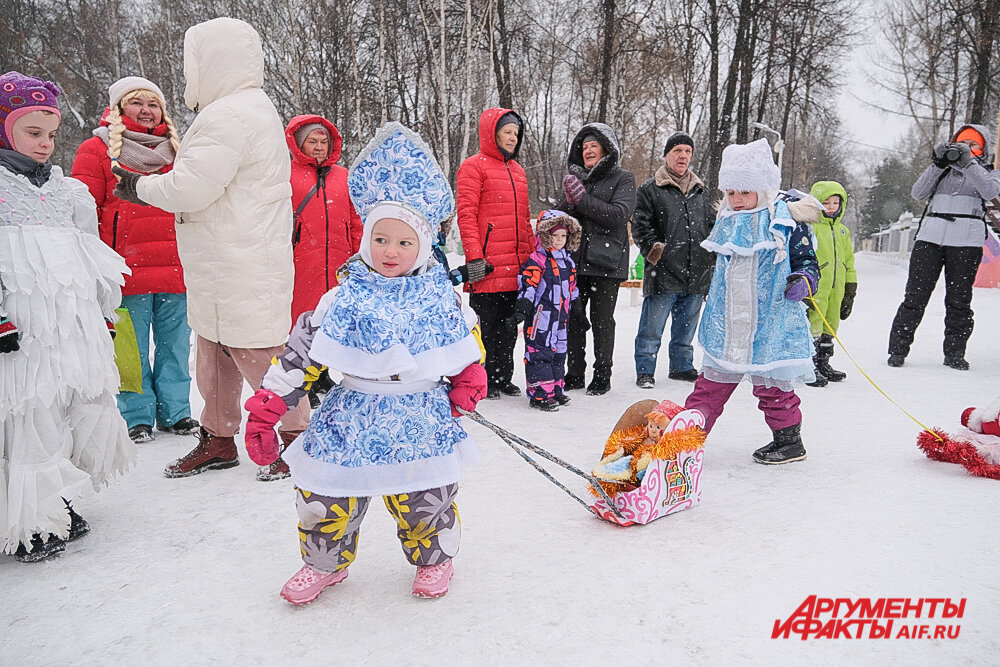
column 428, row 524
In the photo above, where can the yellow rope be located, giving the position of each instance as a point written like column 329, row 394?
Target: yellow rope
column 861, row 370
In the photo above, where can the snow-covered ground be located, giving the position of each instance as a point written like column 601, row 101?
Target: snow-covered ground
column 187, row 571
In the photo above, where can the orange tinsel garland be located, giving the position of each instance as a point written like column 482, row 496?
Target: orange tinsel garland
column 630, row 440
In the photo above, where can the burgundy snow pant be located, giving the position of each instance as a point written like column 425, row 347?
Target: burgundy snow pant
column 427, row 523
column 780, row 408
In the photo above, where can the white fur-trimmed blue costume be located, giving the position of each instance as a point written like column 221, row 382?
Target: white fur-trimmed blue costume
column 748, row 328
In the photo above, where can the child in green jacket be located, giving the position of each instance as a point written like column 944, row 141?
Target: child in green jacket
column 838, row 282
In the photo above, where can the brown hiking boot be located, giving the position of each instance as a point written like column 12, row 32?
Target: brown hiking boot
column 212, row 453
column 278, row 469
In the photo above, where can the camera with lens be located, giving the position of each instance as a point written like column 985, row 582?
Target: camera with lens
column 951, row 154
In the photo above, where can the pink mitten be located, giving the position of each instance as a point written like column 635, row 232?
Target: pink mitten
column 265, row 408
column 573, row 189
column 467, row 388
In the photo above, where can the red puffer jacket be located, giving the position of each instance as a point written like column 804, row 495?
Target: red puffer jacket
column 327, row 230
column 493, row 191
column 143, row 235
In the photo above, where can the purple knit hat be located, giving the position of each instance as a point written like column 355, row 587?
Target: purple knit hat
column 21, row 94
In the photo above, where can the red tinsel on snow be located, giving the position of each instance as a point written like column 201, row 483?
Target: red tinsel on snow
column 950, row 450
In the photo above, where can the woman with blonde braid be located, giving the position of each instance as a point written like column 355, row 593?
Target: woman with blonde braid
column 137, row 134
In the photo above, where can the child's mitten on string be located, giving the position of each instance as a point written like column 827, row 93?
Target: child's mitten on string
column 467, row 388
column 797, row 288
column 265, row 408
column 8, row 336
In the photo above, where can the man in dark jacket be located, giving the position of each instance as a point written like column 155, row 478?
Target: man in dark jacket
column 601, row 195
column 673, row 215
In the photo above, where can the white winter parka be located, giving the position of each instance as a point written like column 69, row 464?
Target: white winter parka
column 230, row 190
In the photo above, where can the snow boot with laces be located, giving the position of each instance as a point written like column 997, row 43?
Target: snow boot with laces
column 278, row 469
column 213, row 452
column 785, row 448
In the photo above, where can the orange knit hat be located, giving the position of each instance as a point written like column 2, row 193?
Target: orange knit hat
column 974, row 135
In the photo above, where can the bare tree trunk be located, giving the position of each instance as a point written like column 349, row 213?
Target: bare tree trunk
column 607, row 54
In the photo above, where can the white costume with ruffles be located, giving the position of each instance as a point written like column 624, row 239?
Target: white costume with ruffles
column 60, row 431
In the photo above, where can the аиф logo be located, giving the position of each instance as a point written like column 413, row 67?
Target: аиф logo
column 865, row 618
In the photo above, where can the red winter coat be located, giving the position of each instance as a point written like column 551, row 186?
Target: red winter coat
column 492, row 190
column 143, row 235
column 328, row 230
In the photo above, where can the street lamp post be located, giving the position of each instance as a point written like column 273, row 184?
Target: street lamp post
column 779, row 144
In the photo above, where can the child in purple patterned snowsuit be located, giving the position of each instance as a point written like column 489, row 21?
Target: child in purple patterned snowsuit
column 547, row 289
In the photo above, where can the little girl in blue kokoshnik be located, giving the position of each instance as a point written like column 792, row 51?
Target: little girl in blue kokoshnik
column 754, row 326
column 394, row 327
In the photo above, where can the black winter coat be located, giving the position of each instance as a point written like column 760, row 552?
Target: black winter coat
column 608, row 204
column 681, row 222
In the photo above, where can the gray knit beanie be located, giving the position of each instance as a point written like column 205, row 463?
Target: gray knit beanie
column 303, row 132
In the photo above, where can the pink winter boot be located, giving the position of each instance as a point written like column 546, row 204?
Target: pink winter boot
column 432, row 580
column 306, row 584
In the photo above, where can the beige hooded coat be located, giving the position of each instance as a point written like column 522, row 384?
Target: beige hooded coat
column 230, row 190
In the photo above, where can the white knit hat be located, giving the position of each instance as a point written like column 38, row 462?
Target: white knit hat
column 749, row 168
column 124, row 86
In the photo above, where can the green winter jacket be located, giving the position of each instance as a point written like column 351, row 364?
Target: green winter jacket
column 835, row 254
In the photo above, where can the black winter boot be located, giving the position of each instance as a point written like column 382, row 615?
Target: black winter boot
column 40, row 549
column 824, row 350
column 78, row 526
column 785, row 448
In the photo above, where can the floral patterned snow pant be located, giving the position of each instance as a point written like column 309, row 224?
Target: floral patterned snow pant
column 428, row 524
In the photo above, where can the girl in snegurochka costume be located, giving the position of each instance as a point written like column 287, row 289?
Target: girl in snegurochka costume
column 394, row 327
column 754, row 325
column 60, row 432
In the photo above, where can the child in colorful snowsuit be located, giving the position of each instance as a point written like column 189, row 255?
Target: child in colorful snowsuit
column 547, row 284
column 394, row 327
column 754, row 325
column 61, row 435
column 838, row 282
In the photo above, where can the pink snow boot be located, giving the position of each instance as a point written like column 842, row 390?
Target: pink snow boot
column 432, row 580
column 306, row 584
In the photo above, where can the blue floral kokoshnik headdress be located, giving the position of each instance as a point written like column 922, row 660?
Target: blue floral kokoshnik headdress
column 398, row 167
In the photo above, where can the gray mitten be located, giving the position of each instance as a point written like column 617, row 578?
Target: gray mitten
column 476, row 270
column 965, row 157
column 126, row 188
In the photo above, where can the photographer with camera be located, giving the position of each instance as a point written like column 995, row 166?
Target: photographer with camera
column 952, row 231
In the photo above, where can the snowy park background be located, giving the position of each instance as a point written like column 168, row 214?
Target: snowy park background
column 187, row 571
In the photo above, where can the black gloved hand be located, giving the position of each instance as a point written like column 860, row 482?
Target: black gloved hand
column 578, row 316
column 127, row 181
column 522, row 308
column 939, row 156
column 965, row 157
column 8, row 336
column 847, row 305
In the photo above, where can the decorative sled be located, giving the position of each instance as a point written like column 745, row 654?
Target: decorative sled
column 975, row 445
column 645, row 481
